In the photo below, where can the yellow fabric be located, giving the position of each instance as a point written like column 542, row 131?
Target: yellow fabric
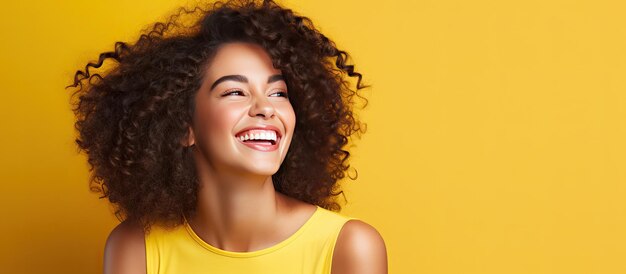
column 308, row 251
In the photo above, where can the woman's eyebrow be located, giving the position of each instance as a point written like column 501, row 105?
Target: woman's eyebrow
column 243, row 79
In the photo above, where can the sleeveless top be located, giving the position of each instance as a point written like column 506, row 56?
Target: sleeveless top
column 308, row 251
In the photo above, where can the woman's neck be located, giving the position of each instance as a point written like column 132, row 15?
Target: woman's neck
column 236, row 212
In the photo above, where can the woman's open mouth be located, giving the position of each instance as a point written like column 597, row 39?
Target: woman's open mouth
column 260, row 139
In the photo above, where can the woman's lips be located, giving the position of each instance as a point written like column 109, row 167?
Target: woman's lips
column 261, row 145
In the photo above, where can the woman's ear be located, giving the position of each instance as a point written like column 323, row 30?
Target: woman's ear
column 190, row 140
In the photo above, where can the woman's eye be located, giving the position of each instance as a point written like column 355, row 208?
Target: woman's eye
column 281, row 93
column 233, row 92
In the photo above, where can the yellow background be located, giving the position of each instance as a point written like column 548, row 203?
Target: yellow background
column 495, row 143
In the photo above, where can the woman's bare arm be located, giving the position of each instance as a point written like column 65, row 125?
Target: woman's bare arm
column 125, row 250
column 359, row 249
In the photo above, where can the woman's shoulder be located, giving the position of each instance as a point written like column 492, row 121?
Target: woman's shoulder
column 360, row 248
column 125, row 250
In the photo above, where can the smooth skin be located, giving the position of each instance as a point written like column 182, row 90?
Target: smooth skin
column 236, row 196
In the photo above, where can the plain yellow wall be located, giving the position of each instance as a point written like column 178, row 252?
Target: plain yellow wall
column 495, row 144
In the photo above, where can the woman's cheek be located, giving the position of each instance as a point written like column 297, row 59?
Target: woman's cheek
column 225, row 117
column 289, row 116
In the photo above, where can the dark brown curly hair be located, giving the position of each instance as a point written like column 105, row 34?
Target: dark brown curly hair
column 130, row 119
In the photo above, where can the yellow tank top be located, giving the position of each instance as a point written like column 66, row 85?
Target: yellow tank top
column 308, row 251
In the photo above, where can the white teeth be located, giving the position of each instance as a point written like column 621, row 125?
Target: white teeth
column 269, row 135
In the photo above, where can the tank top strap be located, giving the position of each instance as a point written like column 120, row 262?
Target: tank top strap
column 329, row 225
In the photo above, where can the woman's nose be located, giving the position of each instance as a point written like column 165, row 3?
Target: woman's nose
column 261, row 106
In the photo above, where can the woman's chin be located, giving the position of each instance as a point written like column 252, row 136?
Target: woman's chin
column 262, row 169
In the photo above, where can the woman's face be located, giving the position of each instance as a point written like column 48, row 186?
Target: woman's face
column 243, row 120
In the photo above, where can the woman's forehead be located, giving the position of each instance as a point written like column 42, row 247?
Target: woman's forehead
column 238, row 58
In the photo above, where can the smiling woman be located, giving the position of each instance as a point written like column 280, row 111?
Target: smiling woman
column 249, row 98
column 221, row 145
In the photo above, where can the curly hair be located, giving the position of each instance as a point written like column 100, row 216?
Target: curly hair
column 130, row 119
